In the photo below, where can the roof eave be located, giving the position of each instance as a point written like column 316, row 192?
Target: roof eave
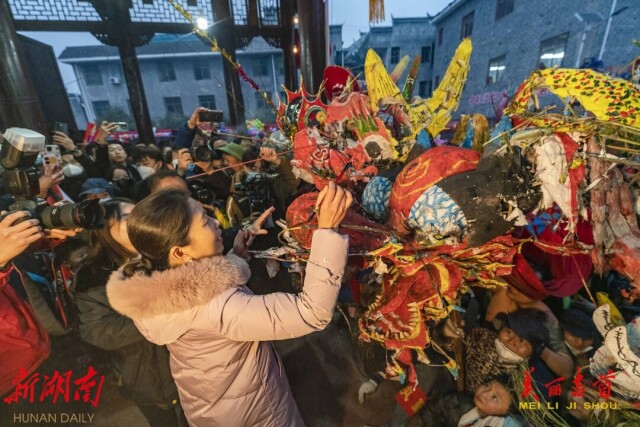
column 448, row 10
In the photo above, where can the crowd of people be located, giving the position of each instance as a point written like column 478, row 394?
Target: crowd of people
column 186, row 335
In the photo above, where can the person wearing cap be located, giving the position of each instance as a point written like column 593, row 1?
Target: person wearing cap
column 521, row 337
column 232, row 155
column 96, row 188
column 525, row 290
column 579, row 335
column 487, row 354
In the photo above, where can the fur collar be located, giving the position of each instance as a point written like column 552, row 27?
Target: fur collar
column 176, row 289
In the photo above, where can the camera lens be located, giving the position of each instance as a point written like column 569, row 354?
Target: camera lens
column 204, row 196
column 86, row 214
column 200, row 193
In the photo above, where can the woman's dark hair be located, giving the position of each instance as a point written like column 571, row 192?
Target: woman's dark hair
column 164, row 143
column 106, row 253
column 158, row 223
column 251, row 154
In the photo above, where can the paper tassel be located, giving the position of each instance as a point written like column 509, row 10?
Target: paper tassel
column 376, row 11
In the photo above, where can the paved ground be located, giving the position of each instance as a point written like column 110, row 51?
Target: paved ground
column 321, row 367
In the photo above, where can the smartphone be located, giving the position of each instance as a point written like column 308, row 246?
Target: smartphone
column 76, row 135
column 53, row 150
column 211, row 116
column 61, row 127
column 51, row 164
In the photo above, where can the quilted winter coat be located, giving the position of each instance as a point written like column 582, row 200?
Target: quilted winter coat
column 218, row 332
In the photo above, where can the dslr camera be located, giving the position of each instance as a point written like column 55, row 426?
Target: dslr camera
column 201, row 193
column 205, row 153
column 253, row 192
column 20, row 148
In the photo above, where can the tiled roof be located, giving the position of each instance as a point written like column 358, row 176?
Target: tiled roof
column 179, row 45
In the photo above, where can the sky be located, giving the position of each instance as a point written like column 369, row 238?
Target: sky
column 353, row 14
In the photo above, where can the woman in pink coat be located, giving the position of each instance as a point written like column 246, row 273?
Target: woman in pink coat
column 183, row 293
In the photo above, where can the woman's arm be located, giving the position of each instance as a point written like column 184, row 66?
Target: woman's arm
column 248, row 317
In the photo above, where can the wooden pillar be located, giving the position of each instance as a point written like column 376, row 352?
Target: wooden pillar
column 119, row 33
column 224, row 32
column 19, row 105
column 313, row 42
column 287, row 12
column 133, row 77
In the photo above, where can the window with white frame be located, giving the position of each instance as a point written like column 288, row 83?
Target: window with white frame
column 552, row 51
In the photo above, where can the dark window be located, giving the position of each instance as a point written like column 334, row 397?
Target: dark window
column 201, row 70
column 92, row 75
column 425, row 54
column 100, row 108
column 437, row 81
column 207, row 101
column 269, row 12
column 173, row 105
column 261, row 67
column 166, row 73
column 422, row 89
column 496, row 70
column 395, row 55
column 192, row 3
column 147, row 1
column 429, row 88
column 552, row 51
column 239, row 11
column 503, row 8
column 467, row 26
column 440, row 36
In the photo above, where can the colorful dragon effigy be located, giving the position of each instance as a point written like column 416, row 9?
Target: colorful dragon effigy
column 433, row 221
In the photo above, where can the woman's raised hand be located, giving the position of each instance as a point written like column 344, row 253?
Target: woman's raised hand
column 333, row 203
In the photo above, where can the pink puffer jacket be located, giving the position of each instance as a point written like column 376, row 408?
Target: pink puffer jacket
column 218, row 332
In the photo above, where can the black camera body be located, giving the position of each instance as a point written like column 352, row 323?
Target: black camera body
column 201, row 193
column 204, row 153
column 20, row 148
column 253, row 192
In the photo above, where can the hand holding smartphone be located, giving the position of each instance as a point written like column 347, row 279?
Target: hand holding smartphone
column 211, row 116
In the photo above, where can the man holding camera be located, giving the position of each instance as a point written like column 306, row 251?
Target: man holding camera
column 24, row 341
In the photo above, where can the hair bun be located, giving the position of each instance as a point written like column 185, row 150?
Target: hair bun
column 138, row 266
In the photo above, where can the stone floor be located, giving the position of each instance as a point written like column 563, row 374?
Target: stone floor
column 321, row 368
